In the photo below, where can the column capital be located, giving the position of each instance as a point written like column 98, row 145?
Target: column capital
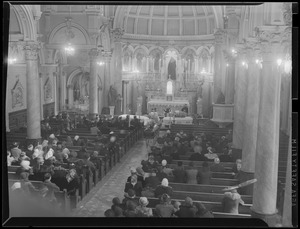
column 287, row 13
column 93, row 53
column 31, row 50
column 219, row 36
column 117, row 34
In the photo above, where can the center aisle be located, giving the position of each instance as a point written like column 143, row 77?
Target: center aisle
column 113, row 184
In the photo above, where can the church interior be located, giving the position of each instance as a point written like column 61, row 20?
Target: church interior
column 121, row 94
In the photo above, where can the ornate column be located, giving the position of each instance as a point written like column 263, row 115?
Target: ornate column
column 219, row 40
column 239, row 104
column 107, row 81
column 266, row 161
column 70, row 96
column 117, row 64
column 230, row 78
column 33, row 92
column 253, row 74
column 93, row 96
column 62, row 89
column 117, row 58
column 41, row 93
column 55, row 92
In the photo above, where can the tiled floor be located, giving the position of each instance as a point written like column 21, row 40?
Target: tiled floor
column 99, row 199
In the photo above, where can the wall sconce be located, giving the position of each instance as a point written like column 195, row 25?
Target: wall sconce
column 11, row 60
column 279, row 62
column 69, row 50
column 227, row 65
column 101, row 63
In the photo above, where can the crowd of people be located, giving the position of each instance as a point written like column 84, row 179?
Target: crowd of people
column 53, row 163
column 151, row 178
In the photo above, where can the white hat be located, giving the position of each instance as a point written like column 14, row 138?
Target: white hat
column 217, row 160
column 168, row 131
column 143, row 201
column 52, row 136
column 76, row 137
column 164, row 163
column 165, row 182
column 111, row 132
column 16, row 185
column 25, row 164
column 132, row 170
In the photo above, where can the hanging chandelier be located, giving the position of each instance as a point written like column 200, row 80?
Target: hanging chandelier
column 69, row 49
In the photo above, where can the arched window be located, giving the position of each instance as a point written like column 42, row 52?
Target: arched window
column 169, row 87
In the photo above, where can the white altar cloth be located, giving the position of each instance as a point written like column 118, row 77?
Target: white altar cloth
column 186, row 120
column 161, row 105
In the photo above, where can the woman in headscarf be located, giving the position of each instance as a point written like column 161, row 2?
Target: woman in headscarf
column 142, row 208
column 163, row 188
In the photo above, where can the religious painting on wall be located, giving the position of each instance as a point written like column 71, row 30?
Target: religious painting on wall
column 17, row 95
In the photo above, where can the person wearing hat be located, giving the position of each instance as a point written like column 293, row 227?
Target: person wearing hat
column 76, row 141
column 10, row 159
column 165, row 169
column 142, row 208
column 134, row 184
column 187, row 209
column 129, row 197
column 202, row 212
column 231, row 201
column 164, row 208
column 24, row 167
column 23, row 156
column 15, row 151
column 95, row 130
column 119, row 212
column 29, row 151
column 176, row 205
column 130, row 210
column 217, row 167
column 117, row 203
column 152, row 181
column 163, row 188
column 237, row 166
column 197, row 155
column 151, row 165
column 52, row 188
column 58, row 154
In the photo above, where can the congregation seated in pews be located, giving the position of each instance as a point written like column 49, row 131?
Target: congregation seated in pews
column 171, row 187
column 69, row 161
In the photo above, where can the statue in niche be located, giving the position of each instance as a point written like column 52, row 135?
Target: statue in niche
column 200, row 89
column 221, row 98
column 112, row 96
column 118, row 101
column 172, row 69
column 76, row 91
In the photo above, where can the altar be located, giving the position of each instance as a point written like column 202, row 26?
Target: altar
column 161, row 105
column 167, row 121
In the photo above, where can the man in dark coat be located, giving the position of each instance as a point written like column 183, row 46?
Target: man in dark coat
column 187, row 209
column 179, row 173
column 134, row 184
column 217, row 167
column 197, row 155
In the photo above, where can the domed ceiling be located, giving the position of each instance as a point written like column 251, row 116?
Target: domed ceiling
column 169, row 20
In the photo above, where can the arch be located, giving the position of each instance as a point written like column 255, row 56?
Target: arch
column 171, row 49
column 26, row 22
column 144, row 48
column 156, row 47
column 128, row 48
column 185, row 49
column 72, row 75
column 119, row 17
column 74, row 25
column 218, row 16
column 58, row 55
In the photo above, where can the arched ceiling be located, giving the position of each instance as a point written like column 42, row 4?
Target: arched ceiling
column 168, row 20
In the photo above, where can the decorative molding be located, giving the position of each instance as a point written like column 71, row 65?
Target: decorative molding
column 17, row 93
column 117, row 34
column 287, row 13
column 32, row 50
column 219, row 36
column 93, row 53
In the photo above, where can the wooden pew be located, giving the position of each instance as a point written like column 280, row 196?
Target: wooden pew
column 202, row 196
column 197, row 187
column 199, row 163
column 212, row 206
column 61, row 196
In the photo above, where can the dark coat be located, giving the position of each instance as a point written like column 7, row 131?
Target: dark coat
column 217, row 168
column 197, row 157
column 204, row 177
column 164, row 210
column 179, row 175
column 186, row 211
column 152, row 181
column 163, row 189
column 206, row 214
column 137, row 188
column 231, row 203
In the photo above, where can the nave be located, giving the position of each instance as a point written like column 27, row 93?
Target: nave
column 100, row 198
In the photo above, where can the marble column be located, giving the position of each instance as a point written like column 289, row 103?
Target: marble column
column 239, row 105
column 41, row 93
column 266, row 161
column 70, row 96
column 229, row 83
column 219, row 40
column 253, row 74
column 101, row 98
column 33, row 92
column 62, row 86
column 117, row 58
column 93, row 96
column 55, row 92
column 107, row 80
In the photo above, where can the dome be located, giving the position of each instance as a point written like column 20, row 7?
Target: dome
column 169, row 20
